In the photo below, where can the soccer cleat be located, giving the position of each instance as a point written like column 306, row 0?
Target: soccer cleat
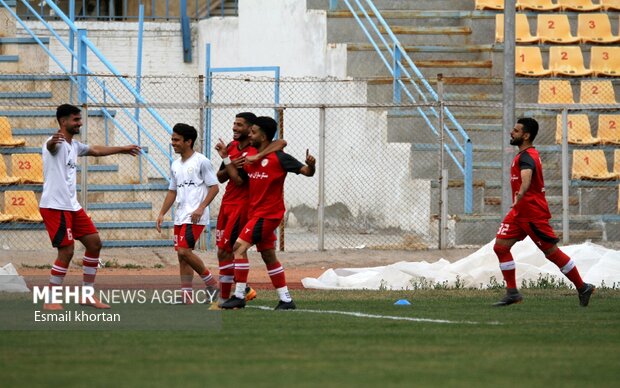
column 585, row 293
column 233, row 303
column 512, row 296
column 96, row 303
column 250, row 294
column 52, row 306
column 285, row 305
column 215, row 307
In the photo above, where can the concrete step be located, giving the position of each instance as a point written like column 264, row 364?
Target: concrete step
column 382, row 5
column 57, row 84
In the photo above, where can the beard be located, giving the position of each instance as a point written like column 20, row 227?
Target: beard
column 516, row 142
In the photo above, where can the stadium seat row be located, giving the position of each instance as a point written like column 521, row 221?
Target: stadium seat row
column 25, row 168
column 549, row 5
column 556, row 28
column 580, row 132
column 561, row 92
column 592, row 165
column 567, row 61
column 20, row 205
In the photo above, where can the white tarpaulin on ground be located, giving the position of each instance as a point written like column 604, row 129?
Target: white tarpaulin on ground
column 10, row 281
column 597, row 265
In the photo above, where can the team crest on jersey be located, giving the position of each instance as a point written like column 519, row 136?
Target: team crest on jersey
column 190, row 170
column 244, row 154
column 264, row 162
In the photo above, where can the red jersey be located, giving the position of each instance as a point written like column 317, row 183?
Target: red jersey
column 266, row 178
column 237, row 195
column 533, row 205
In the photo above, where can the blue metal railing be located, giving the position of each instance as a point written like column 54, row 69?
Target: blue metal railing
column 84, row 74
column 408, row 80
column 156, row 10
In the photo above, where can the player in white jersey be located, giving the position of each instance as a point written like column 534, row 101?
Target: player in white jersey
column 64, row 218
column 193, row 185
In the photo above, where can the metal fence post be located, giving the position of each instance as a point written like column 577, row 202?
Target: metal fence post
column 508, row 102
column 82, row 65
column 565, row 182
column 84, row 161
column 443, row 184
column 280, row 135
column 321, row 206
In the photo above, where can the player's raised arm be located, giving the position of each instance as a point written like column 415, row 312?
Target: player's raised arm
column 276, row 145
column 229, row 165
column 98, row 150
column 56, row 139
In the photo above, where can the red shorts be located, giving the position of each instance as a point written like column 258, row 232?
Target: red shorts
column 229, row 223
column 186, row 235
column 64, row 226
column 539, row 231
column 260, row 231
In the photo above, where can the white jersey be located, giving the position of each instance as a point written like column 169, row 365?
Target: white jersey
column 59, row 172
column 191, row 180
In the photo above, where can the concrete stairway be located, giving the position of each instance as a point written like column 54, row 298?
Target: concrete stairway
column 123, row 209
column 450, row 38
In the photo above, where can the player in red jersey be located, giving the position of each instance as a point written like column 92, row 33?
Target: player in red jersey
column 234, row 208
column 529, row 216
column 64, row 218
column 266, row 208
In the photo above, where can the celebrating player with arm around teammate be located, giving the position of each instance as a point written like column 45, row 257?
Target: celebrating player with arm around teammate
column 529, row 216
column 266, row 208
column 234, row 207
column 64, row 218
column 193, row 186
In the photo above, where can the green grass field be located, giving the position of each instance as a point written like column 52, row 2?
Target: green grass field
column 549, row 340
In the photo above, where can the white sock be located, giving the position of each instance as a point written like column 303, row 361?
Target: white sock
column 240, row 290
column 284, row 294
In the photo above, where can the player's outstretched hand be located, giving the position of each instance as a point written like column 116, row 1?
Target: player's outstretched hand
column 310, row 160
column 132, row 149
column 220, row 147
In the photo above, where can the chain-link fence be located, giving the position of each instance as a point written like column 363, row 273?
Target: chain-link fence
column 379, row 183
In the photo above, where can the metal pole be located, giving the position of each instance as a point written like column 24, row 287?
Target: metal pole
column 443, row 184
column 71, row 47
column 321, row 207
column 139, row 80
column 205, row 238
column 565, row 201
column 84, row 161
column 508, row 101
column 280, row 116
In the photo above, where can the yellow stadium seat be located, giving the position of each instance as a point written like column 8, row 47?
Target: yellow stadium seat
column 591, row 164
column 609, row 129
column 578, row 5
column 567, row 60
column 554, row 28
column 610, row 5
column 555, row 92
column 6, row 137
column 528, row 61
column 22, row 205
column 537, row 5
column 605, row 60
column 597, row 92
column 5, row 179
column 596, row 28
column 579, row 131
column 489, row 4
column 29, row 167
column 523, row 33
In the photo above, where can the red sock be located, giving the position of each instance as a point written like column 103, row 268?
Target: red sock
column 59, row 270
column 506, row 264
column 242, row 269
column 567, row 266
column 208, row 279
column 276, row 273
column 227, row 273
column 90, row 262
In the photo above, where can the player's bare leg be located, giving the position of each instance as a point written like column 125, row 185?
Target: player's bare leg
column 187, row 256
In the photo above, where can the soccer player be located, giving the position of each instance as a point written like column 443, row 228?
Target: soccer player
column 193, row 186
column 64, row 218
column 266, row 184
column 234, row 208
column 529, row 216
